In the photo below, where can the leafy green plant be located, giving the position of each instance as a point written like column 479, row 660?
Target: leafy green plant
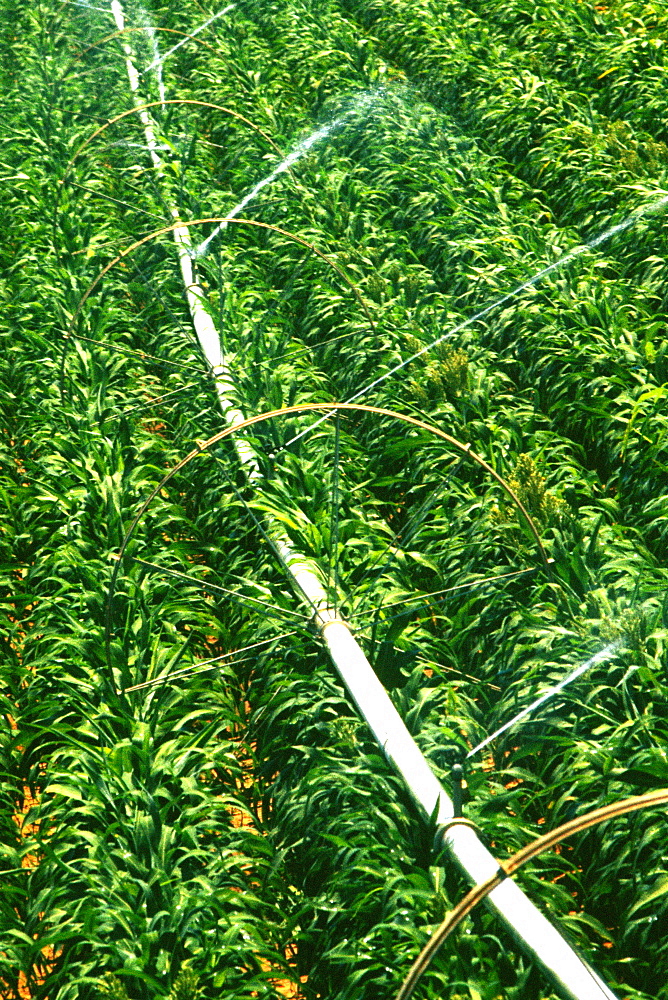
column 233, row 831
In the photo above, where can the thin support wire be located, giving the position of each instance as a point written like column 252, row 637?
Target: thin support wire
column 207, row 585
column 116, row 201
column 298, row 350
column 205, row 665
column 141, row 355
column 456, row 670
column 419, row 601
column 160, row 399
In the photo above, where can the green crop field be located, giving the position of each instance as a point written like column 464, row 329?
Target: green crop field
column 453, row 212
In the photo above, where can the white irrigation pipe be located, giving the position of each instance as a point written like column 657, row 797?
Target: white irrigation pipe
column 532, row 930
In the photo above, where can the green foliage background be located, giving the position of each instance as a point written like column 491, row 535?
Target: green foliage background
column 500, row 137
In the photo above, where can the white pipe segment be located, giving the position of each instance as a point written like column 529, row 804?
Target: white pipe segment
column 531, row 929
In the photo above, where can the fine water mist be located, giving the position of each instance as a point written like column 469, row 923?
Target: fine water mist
column 631, row 220
column 361, row 103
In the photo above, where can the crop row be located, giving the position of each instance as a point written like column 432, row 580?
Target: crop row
column 428, row 221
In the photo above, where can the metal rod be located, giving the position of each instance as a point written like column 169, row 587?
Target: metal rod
column 206, row 584
column 224, row 660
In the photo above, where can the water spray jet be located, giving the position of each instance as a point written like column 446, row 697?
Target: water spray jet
column 653, row 208
column 300, row 150
column 603, row 654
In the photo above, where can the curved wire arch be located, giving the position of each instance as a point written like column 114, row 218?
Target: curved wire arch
column 154, row 104
column 330, row 409
column 137, row 110
column 232, row 222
